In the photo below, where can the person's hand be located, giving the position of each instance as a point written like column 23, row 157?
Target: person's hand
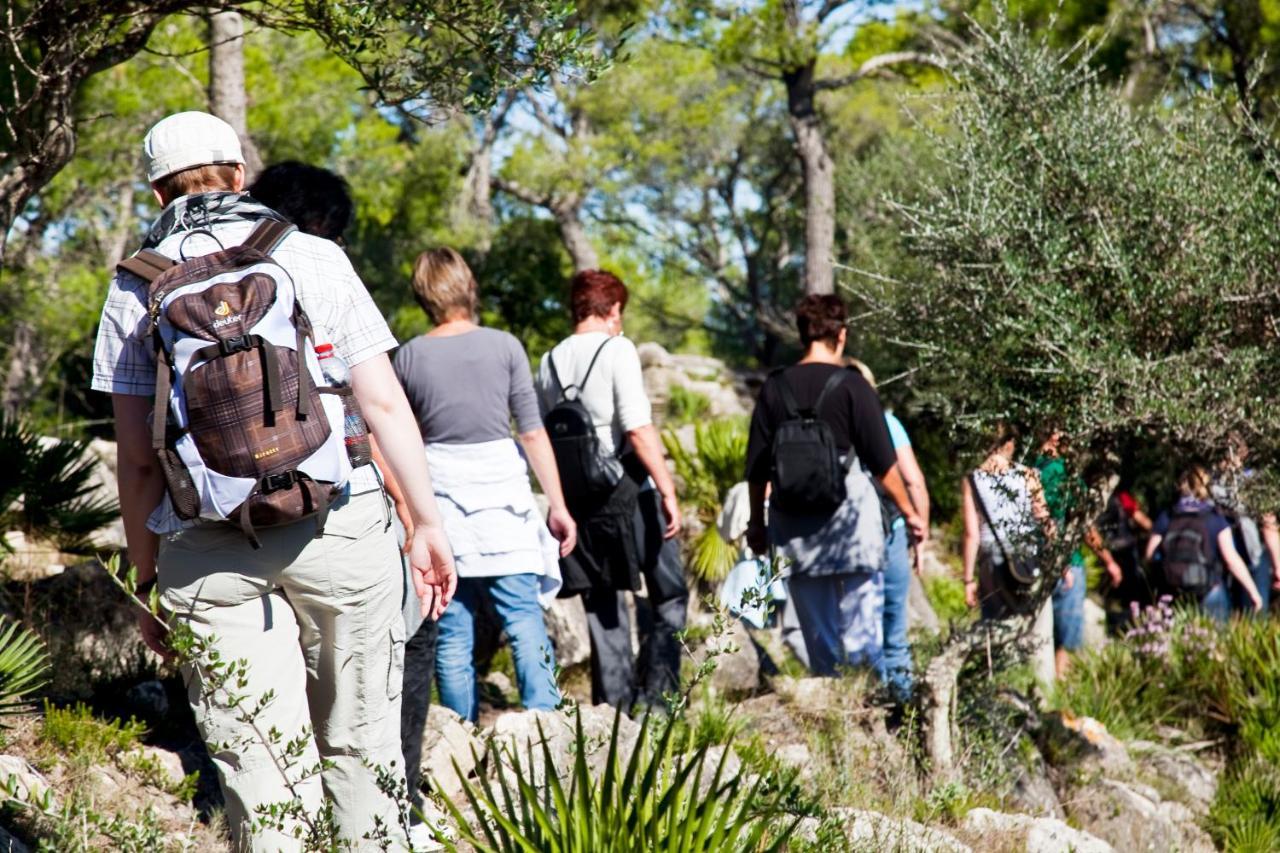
column 916, row 526
column 671, row 509
column 1256, row 598
column 154, row 633
column 757, row 537
column 917, row 560
column 971, row 593
column 1275, row 579
column 564, row 529
column 1068, row 579
column 434, row 575
column 406, row 521
column 1113, row 571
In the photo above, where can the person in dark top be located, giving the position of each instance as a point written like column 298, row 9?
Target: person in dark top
column 1117, row 540
column 316, row 200
column 836, row 558
column 1194, row 500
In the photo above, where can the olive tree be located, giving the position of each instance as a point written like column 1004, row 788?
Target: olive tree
column 1089, row 266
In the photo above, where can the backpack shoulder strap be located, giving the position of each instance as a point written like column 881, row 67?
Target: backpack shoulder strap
column 146, row 265
column 268, row 234
column 790, row 408
column 555, row 374
column 592, row 365
column 834, row 382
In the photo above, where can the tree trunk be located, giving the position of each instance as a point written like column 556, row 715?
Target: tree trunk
column 21, row 370
column 24, row 170
column 938, row 700
column 574, row 234
column 121, row 228
column 819, row 180
column 228, row 99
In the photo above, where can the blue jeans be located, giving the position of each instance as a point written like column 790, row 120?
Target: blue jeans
column 1261, row 572
column 1068, row 611
column 515, row 598
column 895, row 665
column 1216, row 603
column 840, row 619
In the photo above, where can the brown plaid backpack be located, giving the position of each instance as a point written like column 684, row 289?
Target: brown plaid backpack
column 244, row 429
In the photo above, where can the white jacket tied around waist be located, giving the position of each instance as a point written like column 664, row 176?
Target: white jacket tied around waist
column 490, row 516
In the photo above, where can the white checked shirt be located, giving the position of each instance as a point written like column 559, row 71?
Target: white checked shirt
column 336, row 301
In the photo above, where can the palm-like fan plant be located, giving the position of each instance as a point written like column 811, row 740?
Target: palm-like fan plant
column 706, row 474
column 24, row 667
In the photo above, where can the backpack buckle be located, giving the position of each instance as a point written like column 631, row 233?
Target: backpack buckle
column 278, row 482
column 236, row 343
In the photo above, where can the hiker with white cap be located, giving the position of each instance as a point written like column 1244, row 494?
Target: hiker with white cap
column 242, row 504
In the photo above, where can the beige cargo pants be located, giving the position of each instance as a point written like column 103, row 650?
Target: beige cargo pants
column 318, row 623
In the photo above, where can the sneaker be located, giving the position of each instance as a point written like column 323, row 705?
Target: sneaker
column 421, row 840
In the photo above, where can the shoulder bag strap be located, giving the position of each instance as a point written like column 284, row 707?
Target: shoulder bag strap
column 146, row 265
column 268, row 234
column 592, row 365
column 982, row 508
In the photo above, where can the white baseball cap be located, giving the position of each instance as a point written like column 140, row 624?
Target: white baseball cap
column 186, row 140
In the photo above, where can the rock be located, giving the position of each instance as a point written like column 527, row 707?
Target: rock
column 1034, row 834
column 1085, row 745
column 1185, row 776
column 737, row 666
column 525, row 731
column 797, row 756
column 148, row 700
column 169, row 764
column 21, row 780
column 1095, row 624
column 653, row 355
column 449, row 739
column 500, row 684
column 1132, row 817
column 1033, row 793
column 714, row 755
column 866, row 830
column 920, row 613
column 567, row 627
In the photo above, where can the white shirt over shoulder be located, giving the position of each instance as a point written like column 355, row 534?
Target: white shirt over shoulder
column 614, row 392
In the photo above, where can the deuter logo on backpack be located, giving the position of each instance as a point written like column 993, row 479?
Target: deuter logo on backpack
column 243, row 428
column 1188, row 554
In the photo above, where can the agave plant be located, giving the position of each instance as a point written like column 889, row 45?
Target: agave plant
column 650, row 801
column 24, row 667
column 706, row 474
column 46, row 488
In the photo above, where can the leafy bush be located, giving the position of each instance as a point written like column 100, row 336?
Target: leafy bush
column 46, row 489
column 76, row 732
column 24, row 667
column 706, row 475
column 652, row 801
column 685, row 406
column 946, row 595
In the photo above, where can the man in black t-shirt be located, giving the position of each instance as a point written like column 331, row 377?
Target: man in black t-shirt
column 835, row 577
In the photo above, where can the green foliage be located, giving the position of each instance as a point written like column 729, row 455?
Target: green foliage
column 24, row 667
column 946, row 594
column 46, row 488
column 705, row 476
column 76, row 732
column 685, row 406
column 649, row 801
column 1091, row 264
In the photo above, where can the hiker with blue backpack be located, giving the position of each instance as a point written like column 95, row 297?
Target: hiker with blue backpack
column 818, row 438
column 242, row 502
column 1191, row 542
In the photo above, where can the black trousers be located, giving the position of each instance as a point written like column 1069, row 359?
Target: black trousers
column 617, row 678
column 415, row 700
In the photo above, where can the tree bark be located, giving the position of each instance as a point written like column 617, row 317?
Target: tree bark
column 121, row 228
column 228, row 98
column 819, row 179
column 568, row 216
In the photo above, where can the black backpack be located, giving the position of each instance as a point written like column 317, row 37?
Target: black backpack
column 808, row 476
column 586, row 471
column 1187, row 553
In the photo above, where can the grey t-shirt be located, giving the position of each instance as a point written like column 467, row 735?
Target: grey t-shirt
column 465, row 389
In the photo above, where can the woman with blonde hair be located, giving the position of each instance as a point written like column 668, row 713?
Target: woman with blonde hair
column 465, row 384
column 1191, row 542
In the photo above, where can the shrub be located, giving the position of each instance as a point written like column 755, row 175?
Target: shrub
column 651, row 801
column 706, row 475
column 76, row 732
column 685, row 406
column 24, row 667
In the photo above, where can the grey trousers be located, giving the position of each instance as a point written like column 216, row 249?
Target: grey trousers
column 617, row 678
column 318, row 623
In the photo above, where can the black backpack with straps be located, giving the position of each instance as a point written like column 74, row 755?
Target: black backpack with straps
column 808, row 475
column 586, row 471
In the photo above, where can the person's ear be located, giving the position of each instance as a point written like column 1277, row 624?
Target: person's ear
column 161, row 200
column 842, row 338
column 237, row 180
